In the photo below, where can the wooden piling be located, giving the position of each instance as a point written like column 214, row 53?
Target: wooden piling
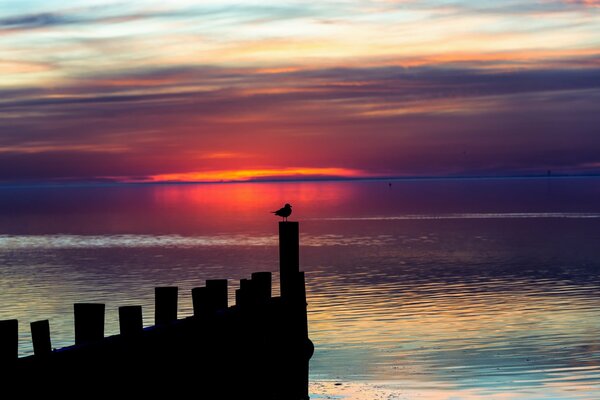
column 40, row 336
column 289, row 255
column 245, row 284
column 298, row 288
column 200, row 301
column 261, row 287
column 130, row 320
column 216, row 294
column 165, row 303
column 241, row 294
column 9, row 341
column 306, row 347
column 239, row 297
column 89, row 322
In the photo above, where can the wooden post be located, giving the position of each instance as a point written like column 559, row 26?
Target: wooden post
column 130, row 320
column 289, row 255
column 216, row 294
column 239, row 297
column 293, row 295
column 9, row 341
column 199, row 301
column 301, row 326
column 40, row 336
column 243, row 294
column 293, row 331
column 165, row 303
column 89, row 322
column 261, row 286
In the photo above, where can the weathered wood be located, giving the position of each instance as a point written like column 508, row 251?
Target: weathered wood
column 89, row 322
column 165, row 303
column 289, row 255
column 40, row 336
column 131, row 322
column 200, row 301
column 242, row 295
column 261, row 287
column 217, row 294
column 239, row 297
column 9, row 341
column 298, row 289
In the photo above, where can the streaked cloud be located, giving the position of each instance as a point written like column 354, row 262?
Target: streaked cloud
column 32, row 21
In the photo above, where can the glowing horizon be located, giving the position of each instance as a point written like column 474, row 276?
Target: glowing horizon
column 256, row 174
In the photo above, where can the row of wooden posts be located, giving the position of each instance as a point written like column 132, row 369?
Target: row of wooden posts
column 89, row 317
column 277, row 329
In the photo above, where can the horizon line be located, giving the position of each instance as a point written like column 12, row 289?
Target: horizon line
column 99, row 183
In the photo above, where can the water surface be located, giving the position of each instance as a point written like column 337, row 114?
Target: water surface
column 421, row 289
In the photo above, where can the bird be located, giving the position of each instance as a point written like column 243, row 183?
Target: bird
column 284, row 212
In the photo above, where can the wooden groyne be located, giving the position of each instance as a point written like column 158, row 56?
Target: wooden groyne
column 256, row 349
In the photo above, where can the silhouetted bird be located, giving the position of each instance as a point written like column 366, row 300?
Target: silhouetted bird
column 284, row 212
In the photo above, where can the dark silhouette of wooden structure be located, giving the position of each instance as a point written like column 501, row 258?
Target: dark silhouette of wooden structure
column 256, row 349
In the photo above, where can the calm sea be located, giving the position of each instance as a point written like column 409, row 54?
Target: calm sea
column 417, row 289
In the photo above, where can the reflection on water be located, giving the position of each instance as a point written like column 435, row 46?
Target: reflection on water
column 28, row 242
column 431, row 289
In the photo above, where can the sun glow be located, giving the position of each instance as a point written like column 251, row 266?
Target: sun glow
column 254, row 174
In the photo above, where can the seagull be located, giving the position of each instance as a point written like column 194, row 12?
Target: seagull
column 284, row 212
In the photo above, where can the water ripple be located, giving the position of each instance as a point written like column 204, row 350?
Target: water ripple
column 26, row 242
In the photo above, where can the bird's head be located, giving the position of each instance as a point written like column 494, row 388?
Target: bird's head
column 287, row 205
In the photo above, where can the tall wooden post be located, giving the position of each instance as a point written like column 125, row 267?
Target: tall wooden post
column 130, row 320
column 242, row 295
column 261, row 287
column 216, row 291
column 289, row 256
column 199, row 301
column 165, row 304
column 89, row 322
column 295, row 326
column 40, row 336
column 9, row 341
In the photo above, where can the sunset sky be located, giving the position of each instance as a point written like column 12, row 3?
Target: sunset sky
column 144, row 91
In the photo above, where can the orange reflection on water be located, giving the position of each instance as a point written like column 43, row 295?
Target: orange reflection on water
column 230, row 205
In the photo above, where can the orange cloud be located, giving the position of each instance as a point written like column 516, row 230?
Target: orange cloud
column 534, row 57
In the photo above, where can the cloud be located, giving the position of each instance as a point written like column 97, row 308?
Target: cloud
column 115, row 13
column 382, row 120
column 32, row 21
column 379, row 86
column 238, row 88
